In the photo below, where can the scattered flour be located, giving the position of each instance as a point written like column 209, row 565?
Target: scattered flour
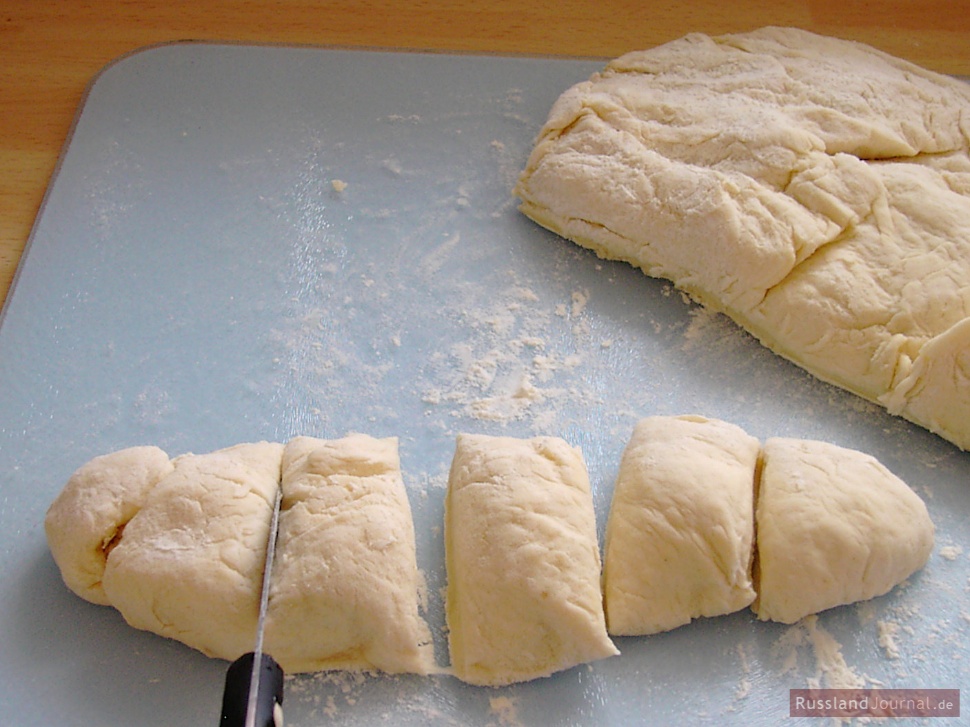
column 505, row 709
column 393, row 166
column 580, row 298
column 434, row 260
column 502, row 371
column 830, row 668
column 326, row 691
column 744, row 682
column 709, row 329
column 888, row 631
column 951, row 552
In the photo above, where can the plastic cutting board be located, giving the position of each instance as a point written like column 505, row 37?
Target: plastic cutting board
column 245, row 243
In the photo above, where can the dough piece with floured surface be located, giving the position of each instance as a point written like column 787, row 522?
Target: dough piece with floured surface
column 680, row 535
column 815, row 190
column 344, row 591
column 832, row 526
column 190, row 564
column 524, row 598
column 835, row 526
column 87, row 518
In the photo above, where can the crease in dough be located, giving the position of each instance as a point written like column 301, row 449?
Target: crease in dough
column 88, row 517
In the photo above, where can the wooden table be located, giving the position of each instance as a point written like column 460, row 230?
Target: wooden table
column 50, row 51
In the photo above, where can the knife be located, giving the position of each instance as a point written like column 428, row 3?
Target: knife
column 253, row 695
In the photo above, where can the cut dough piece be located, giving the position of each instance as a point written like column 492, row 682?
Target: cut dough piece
column 679, row 540
column 815, row 190
column 523, row 563
column 190, row 564
column 344, row 592
column 87, row 518
column 834, row 527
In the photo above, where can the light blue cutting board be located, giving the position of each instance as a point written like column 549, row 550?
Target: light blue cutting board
column 247, row 243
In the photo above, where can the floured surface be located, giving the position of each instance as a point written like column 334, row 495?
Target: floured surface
column 254, row 243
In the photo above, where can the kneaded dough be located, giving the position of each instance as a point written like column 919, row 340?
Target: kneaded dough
column 815, row 190
column 344, row 591
column 88, row 517
column 834, row 526
column 679, row 539
column 522, row 557
column 190, row 564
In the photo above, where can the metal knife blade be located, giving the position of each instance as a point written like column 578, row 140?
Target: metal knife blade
column 253, row 694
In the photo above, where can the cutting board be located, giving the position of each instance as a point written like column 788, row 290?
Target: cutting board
column 245, row 243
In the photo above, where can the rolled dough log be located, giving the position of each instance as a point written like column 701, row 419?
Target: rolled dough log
column 523, row 563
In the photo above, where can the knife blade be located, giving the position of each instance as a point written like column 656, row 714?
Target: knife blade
column 253, row 693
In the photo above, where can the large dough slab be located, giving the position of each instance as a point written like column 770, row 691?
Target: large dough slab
column 523, row 563
column 815, row 190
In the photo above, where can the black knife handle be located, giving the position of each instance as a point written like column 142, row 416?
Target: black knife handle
column 235, row 696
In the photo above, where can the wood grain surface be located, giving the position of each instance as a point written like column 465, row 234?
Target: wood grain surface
column 50, row 50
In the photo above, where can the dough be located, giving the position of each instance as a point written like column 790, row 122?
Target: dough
column 178, row 546
column 523, row 563
column 815, row 190
column 88, row 517
column 680, row 534
column 344, row 591
column 190, row 564
column 834, row 527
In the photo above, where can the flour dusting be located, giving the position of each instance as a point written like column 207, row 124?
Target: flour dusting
column 951, row 552
column 505, row 368
column 888, row 633
column 505, row 709
column 829, row 668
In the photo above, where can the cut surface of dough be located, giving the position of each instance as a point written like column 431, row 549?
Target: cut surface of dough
column 522, row 557
column 679, row 539
column 190, row 563
column 834, row 526
column 344, row 592
column 815, row 190
column 86, row 519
